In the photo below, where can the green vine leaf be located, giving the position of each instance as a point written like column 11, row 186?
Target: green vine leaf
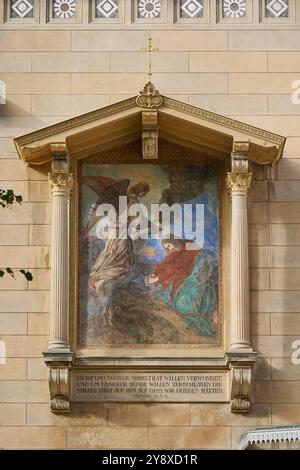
column 10, row 271
column 7, row 198
column 27, row 274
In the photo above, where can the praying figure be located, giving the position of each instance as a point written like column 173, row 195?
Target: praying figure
column 184, row 280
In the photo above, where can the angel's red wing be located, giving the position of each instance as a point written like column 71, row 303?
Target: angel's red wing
column 102, row 185
column 121, row 187
column 93, row 182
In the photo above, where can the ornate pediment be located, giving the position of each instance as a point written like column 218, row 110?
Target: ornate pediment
column 149, row 115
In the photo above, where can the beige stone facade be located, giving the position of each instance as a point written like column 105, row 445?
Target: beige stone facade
column 57, row 70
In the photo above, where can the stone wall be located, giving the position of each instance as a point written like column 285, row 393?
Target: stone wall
column 56, row 72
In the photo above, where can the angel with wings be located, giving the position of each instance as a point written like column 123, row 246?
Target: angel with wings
column 116, row 260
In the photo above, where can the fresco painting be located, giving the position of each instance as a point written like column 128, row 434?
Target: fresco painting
column 136, row 290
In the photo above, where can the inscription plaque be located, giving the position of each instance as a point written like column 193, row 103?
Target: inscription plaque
column 150, row 386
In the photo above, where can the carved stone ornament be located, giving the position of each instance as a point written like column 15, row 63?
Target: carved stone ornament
column 61, row 183
column 149, row 97
column 240, row 404
column 150, row 134
column 239, row 182
column 240, row 365
column 150, row 145
column 59, row 389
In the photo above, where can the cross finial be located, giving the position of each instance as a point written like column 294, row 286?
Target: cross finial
column 150, row 49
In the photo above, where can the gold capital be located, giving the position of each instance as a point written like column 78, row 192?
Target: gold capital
column 61, row 183
column 238, row 182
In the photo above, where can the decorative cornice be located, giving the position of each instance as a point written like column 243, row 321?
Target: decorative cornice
column 238, row 182
column 75, row 122
column 168, row 102
column 257, row 436
column 61, row 183
column 149, row 97
column 224, row 121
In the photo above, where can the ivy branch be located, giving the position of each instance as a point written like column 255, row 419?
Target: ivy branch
column 7, row 198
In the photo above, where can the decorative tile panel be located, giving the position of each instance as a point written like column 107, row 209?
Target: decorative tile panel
column 21, row 9
column 64, row 9
column 234, row 9
column 107, row 9
column 191, row 8
column 148, row 9
column 277, row 8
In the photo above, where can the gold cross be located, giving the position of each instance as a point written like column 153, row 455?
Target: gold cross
column 150, row 49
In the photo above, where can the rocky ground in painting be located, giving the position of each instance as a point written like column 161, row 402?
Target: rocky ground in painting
column 141, row 321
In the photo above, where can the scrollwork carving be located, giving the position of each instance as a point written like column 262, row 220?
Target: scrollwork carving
column 59, row 389
column 149, row 97
column 240, row 387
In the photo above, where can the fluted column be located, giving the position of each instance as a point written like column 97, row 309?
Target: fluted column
column 61, row 186
column 238, row 184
